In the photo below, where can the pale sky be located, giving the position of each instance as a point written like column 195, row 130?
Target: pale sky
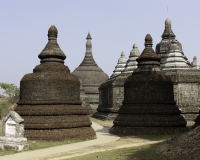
column 115, row 25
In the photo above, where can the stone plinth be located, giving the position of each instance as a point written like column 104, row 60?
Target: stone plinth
column 148, row 106
column 50, row 99
column 90, row 75
column 13, row 133
column 111, row 93
column 186, row 91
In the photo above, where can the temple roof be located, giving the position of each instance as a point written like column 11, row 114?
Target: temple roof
column 167, row 36
column 120, row 65
column 131, row 64
column 175, row 58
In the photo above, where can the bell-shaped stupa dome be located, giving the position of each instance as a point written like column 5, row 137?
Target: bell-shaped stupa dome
column 120, row 65
column 50, row 98
column 131, row 63
column 91, row 75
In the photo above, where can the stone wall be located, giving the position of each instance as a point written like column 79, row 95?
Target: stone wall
column 186, row 91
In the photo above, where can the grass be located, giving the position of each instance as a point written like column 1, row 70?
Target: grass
column 147, row 152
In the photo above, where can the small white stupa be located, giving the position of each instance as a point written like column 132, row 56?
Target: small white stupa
column 195, row 63
column 120, row 65
column 131, row 64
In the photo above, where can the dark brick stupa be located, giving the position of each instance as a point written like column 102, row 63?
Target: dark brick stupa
column 50, row 98
column 148, row 106
column 90, row 75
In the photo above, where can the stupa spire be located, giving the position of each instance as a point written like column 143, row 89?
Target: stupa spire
column 88, row 59
column 52, row 51
column 195, row 63
column 131, row 64
column 168, row 33
column 148, row 60
column 120, row 65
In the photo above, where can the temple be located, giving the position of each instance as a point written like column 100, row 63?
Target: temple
column 148, row 106
column 90, row 75
column 111, row 93
column 50, row 99
column 185, row 77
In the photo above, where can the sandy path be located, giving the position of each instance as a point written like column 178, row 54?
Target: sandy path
column 104, row 142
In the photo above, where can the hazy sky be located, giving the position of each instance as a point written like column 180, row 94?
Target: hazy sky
column 115, row 25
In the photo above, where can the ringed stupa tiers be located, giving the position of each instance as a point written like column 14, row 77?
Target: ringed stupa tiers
column 50, row 98
column 175, row 58
column 90, row 75
column 185, row 78
column 120, row 65
column 148, row 106
column 111, row 93
column 132, row 63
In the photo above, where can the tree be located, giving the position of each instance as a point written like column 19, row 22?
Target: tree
column 9, row 97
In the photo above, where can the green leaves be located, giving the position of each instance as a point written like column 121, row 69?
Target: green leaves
column 9, row 98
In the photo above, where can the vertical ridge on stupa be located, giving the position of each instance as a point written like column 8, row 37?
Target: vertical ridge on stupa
column 50, row 99
column 195, row 63
column 90, row 75
column 131, row 62
column 148, row 106
column 120, row 65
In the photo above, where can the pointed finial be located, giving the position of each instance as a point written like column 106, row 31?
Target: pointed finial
column 168, row 23
column 52, row 32
column 135, row 46
column 88, row 36
column 52, row 51
column 122, row 54
column 148, row 41
column 195, row 58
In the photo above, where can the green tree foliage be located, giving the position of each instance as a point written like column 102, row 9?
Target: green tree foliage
column 9, row 98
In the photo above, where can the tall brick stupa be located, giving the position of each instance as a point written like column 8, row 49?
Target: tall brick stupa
column 50, row 98
column 148, row 106
column 90, row 75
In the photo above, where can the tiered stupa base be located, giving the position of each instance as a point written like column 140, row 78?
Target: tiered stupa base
column 56, row 122
column 147, row 119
